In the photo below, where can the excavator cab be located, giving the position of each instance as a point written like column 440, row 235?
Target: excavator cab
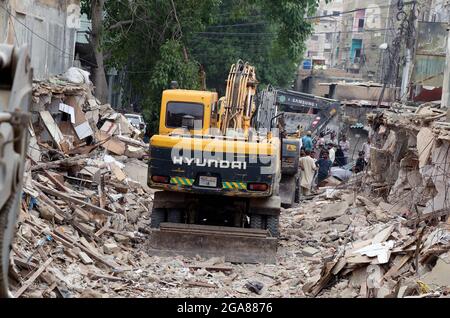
column 189, row 110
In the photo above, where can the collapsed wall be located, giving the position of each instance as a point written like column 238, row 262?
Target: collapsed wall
column 410, row 158
column 67, row 118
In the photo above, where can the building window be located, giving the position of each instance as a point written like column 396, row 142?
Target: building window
column 356, row 50
column 357, row 56
column 359, row 20
column 315, row 38
column 329, row 36
column 361, row 24
column 336, row 12
column 325, row 12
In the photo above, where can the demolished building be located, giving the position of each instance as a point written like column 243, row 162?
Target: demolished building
column 412, row 154
column 67, row 117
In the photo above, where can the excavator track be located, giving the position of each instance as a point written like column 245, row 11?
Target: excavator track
column 237, row 245
column 7, row 226
column 15, row 97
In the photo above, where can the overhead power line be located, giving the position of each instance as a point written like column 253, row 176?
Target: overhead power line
column 235, row 33
column 274, row 34
column 237, row 25
column 340, row 13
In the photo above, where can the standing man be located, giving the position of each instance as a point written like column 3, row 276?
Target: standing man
column 345, row 147
column 308, row 168
column 331, row 153
column 307, row 142
column 324, row 165
column 366, row 149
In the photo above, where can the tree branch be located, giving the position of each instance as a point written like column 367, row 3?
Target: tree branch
column 120, row 24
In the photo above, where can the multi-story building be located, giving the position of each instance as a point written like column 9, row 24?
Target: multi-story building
column 431, row 49
column 48, row 27
column 366, row 26
column 435, row 11
column 324, row 42
column 351, row 37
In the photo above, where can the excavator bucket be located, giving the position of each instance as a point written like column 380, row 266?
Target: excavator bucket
column 237, row 245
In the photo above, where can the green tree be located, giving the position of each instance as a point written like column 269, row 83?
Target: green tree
column 268, row 34
column 153, row 42
column 147, row 41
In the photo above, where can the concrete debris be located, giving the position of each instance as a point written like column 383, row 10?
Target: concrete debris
column 333, row 211
column 110, row 248
column 439, row 277
column 67, row 120
column 310, row 251
column 255, row 287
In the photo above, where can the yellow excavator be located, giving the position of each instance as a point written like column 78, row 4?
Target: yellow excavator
column 219, row 177
column 15, row 98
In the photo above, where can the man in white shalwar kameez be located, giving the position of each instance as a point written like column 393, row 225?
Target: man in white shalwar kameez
column 308, row 168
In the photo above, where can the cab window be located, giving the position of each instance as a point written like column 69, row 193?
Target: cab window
column 176, row 111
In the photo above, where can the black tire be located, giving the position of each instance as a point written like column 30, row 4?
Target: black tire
column 174, row 216
column 158, row 217
column 273, row 225
column 256, row 221
column 7, row 229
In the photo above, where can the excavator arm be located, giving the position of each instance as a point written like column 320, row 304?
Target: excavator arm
column 239, row 103
column 15, row 97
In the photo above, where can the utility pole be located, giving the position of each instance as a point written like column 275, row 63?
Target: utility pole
column 410, row 44
column 446, row 85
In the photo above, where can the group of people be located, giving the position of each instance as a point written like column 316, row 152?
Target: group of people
column 317, row 159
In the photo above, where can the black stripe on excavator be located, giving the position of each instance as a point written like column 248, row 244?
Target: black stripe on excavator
column 240, row 169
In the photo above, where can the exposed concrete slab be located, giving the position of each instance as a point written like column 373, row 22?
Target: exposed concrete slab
column 344, row 219
column 137, row 170
column 334, row 211
column 440, row 274
column 310, row 251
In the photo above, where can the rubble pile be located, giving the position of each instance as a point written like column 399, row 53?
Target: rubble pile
column 359, row 247
column 344, row 245
column 79, row 220
column 395, row 238
column 85, row 200
column 68, row 120
column 387, row 235
column 411, row 161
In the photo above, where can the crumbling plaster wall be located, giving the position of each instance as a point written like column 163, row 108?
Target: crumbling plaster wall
column 423, row 184
column 438, row 172
column 390, row 147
